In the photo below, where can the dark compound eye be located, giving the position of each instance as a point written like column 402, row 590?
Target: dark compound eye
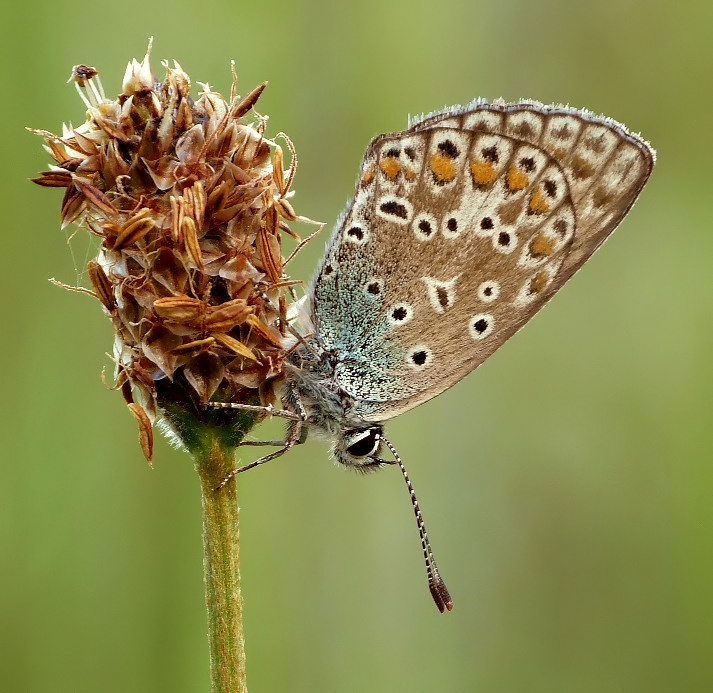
column 365, row 443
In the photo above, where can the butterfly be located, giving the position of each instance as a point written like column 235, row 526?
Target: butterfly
column 461, row 228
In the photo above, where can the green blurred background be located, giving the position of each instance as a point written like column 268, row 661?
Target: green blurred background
column 567, row 486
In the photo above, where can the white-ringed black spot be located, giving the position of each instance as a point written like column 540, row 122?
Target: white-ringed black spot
column 560, row 226
column 528, row 163
column 489, row 291
column 481, row 326
column 410, row 153
column 452, row 225
column 393, row 152
column 419, row 357
column 394, row 208
column 356, row 232
column 400, row 314
column 424, row 226
column 550, row 187
column 486, row 223
column 491, row 154
column 448, row 149
column 373, row 288
column 504, row 238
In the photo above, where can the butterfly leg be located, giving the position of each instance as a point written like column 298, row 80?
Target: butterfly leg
column 267, row 442
column 296, row 430
column 269, row 409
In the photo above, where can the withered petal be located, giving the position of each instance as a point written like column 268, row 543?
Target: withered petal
column 101, row 284
column 145, row 430
column 162, row 171
column 134, row 229
column 53, row 179
column 159, row 345
column 204, row 373
column 190, row 145
column 265, row 331
column 95, row 197
column 235, row 346
column 247, row 102
column 73, row 204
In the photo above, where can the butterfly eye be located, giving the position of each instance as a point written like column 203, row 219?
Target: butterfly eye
column 362, row 443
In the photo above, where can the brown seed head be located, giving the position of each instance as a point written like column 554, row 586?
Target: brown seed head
column 189, row 203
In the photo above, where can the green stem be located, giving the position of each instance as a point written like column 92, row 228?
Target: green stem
column 222, row 570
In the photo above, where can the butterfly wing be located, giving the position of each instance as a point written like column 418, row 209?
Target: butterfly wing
column 461, row 229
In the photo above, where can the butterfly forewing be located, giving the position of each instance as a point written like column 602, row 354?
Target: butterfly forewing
column 461, row 229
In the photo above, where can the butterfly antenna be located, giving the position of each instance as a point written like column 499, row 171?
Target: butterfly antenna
column 436, row 585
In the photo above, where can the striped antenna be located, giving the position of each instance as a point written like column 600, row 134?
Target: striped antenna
column 439, row 591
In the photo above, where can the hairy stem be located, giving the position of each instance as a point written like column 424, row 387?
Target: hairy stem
column 221, row 566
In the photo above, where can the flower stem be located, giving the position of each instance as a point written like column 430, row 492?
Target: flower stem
column 221, row 566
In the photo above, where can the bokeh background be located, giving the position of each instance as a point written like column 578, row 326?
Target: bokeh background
column 567, row 485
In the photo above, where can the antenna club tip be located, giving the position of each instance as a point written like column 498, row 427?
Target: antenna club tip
column 441, row 596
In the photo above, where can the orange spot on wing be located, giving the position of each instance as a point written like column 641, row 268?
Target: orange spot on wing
column 390, row 167
column 482, row 172
column 409, row 174
column 516, row 178
column 541, row 246
column 538, row 282
column 368, row 176
column 442, row 167
column 538, row 203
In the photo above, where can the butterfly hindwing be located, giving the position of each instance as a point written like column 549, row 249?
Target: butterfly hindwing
column 461, row 228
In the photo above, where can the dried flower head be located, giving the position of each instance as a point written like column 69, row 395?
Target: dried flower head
column 189, row 203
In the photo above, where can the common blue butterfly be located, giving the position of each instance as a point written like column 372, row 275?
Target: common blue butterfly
column 461, row 228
